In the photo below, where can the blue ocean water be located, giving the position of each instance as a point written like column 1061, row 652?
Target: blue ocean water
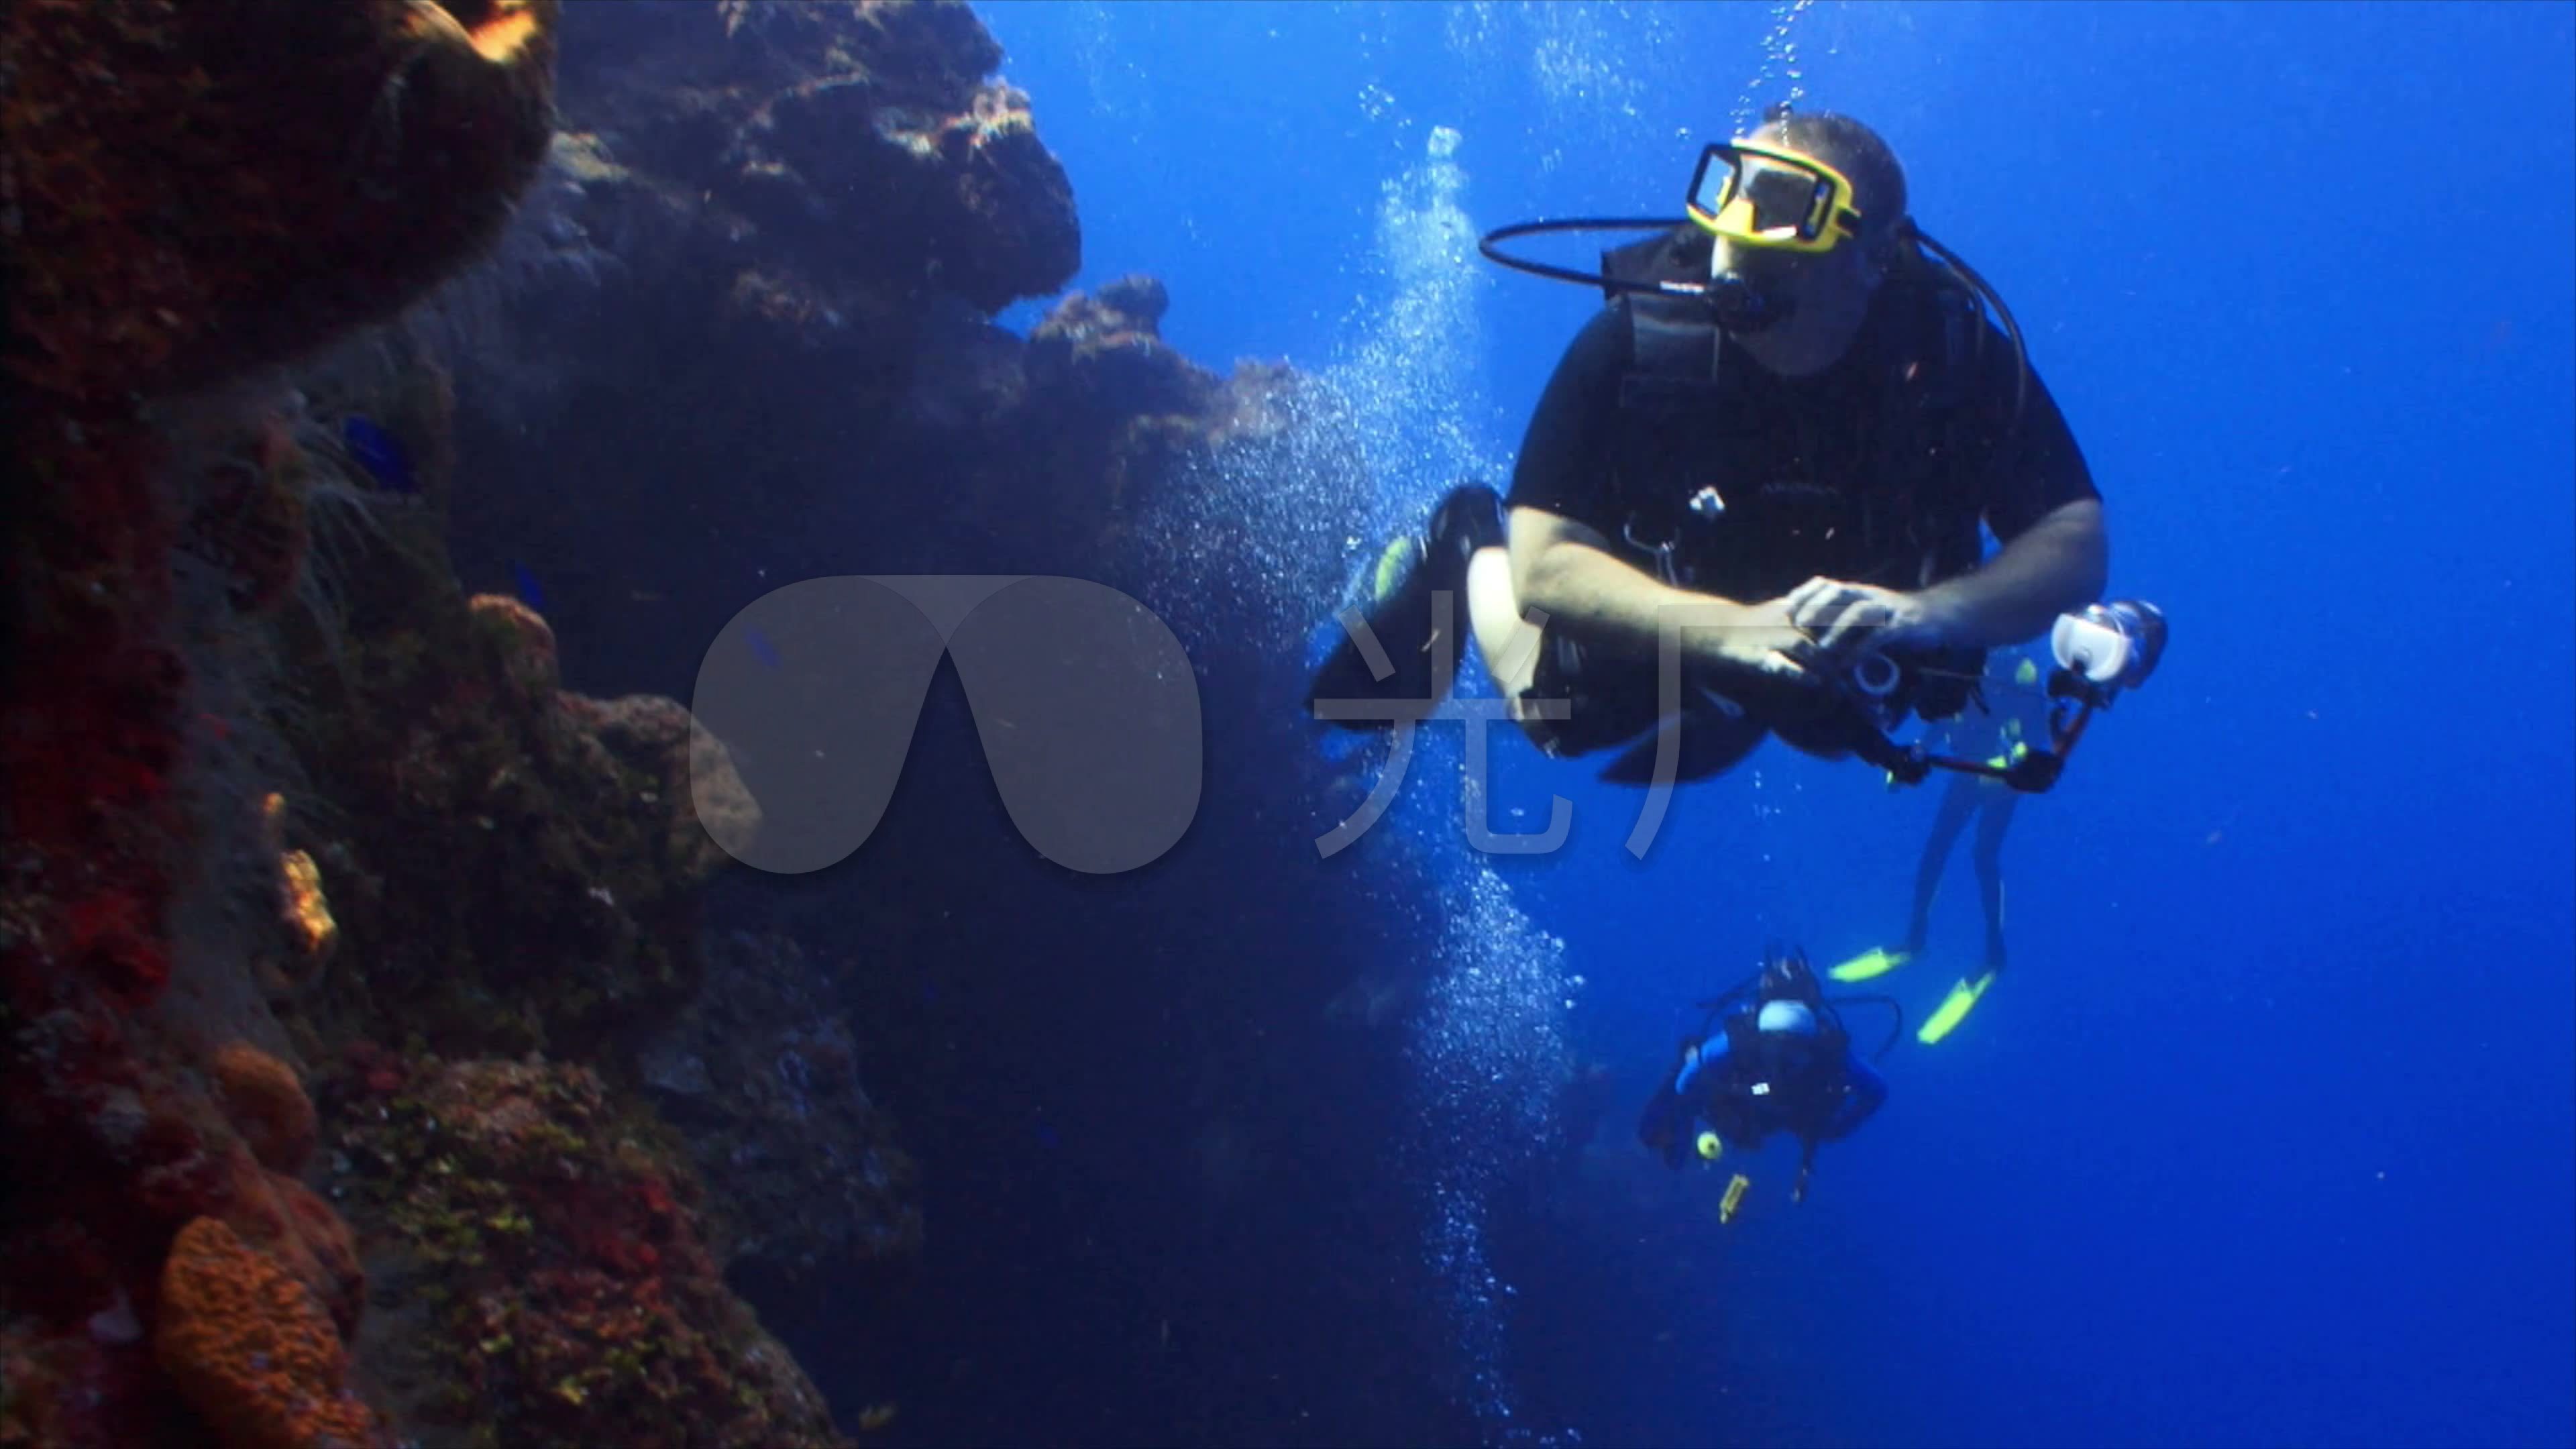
column 2269, row 1135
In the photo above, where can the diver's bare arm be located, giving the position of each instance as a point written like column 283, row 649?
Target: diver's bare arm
column 1567, row 572
column 2062, row 562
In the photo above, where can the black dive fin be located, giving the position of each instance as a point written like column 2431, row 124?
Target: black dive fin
column 1710, row 744
column 1420, row 634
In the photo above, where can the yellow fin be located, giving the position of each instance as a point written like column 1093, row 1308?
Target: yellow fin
column 1954, row 1009
column 1391, row 567
column 1874, row 962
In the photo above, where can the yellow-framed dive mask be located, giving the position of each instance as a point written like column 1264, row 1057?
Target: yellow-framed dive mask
column 1757, row 195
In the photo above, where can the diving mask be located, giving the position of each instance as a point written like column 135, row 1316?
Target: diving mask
column 1776, row 205
column 1757, row 195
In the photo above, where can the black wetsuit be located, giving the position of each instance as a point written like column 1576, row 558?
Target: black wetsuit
column 1821, row 476
column 1747, row 1086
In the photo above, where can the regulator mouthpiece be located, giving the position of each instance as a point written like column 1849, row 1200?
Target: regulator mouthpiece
column 1743, row 308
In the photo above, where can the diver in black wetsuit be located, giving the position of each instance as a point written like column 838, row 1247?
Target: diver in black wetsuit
column 1772, row 453
column 1776, row 1058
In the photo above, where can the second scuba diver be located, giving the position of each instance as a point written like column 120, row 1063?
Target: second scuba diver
column 2000, row 728
column 1774, row 1057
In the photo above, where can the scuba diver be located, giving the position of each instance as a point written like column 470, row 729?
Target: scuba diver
column 2010, row 712
column 2100, row 650
column 1749, row 500
column 1774, row 1056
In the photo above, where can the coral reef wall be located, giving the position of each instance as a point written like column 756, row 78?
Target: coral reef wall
column 330, row 927
column 403, row 393
column 1154, row 1177
column 768, row 244
column 179, row 215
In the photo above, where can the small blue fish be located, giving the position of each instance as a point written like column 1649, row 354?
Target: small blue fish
column 380, row 453
column 761, row 648
column 530, row 593
column 1046, row 1136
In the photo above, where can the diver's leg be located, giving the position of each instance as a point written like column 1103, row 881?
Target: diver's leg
column 1997, row 801
column 1958, row 802
column 1507, row 642
column 1992, row 822
column 1566, row 699
column 1417, row 613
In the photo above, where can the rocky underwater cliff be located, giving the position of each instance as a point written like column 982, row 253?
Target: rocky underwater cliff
column 388, row 1052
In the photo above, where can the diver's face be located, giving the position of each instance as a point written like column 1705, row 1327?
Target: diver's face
column 1823, row 297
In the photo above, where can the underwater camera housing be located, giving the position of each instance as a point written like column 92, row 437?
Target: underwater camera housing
column 2100, row 649
column 2113, row 646
column 1930, row 685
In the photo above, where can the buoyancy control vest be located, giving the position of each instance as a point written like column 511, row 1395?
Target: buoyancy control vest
column 1729, row 479
column 1767, row 1083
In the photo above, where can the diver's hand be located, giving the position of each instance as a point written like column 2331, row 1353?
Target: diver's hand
column 1761, row 638
column 1846, row 619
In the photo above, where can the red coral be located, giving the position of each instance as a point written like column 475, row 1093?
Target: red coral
column 177, row 1176
column 113, row 939
column 87, row 1389
column 371, row 1069
column 88, row 727
column 59, row 1272
column 581, row 1297
column 330, row 1250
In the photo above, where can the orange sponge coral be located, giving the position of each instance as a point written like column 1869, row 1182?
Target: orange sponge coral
column 286, row 1220
column 267, row 1105
column 250, row 1350
column 522, row 643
